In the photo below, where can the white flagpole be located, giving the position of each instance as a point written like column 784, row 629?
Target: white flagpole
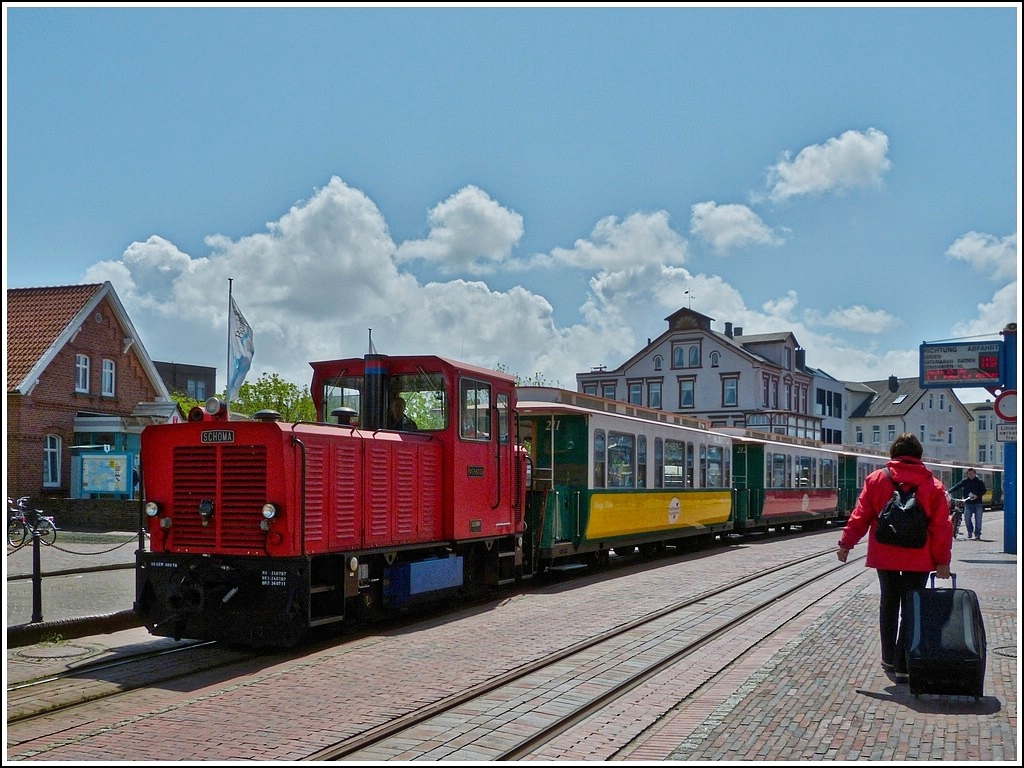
column 227, row 370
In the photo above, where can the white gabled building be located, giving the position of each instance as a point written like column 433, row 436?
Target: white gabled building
column 758, row 381
column 880, row 410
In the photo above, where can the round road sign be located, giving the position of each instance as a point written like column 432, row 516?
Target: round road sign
column 1006, row 405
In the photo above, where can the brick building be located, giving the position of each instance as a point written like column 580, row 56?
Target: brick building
column 80, row 389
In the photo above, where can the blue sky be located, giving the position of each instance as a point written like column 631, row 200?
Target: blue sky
column 533, row 187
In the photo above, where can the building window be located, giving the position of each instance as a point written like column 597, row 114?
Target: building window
column 694, row 361
column 859, row 432
column 654, row 394
column 876, row 435
column 773, row 392
column 109, row 370
column 764, row 390
column 730, row 396
column 686, row 393
column 588, row 389
column 949, row 436
column 787, row 396
column 608, row 391
column 658, row 361
column 51, row 462
column 715, row 357
column 942, row 402
column 636, row 392
column 684, row 356
column 921, row 434
column 891, row 430
column 81, row 373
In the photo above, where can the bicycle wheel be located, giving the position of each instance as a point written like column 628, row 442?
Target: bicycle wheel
column 16, row 533
column 47, row 531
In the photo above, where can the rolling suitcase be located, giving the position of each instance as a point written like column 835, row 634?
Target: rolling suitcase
column 945, row 641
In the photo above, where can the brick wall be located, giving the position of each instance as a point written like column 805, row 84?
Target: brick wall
column 51, row 407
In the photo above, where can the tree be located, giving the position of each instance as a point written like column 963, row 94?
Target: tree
column 537, row 380
column 185, row 402
column 271, row 392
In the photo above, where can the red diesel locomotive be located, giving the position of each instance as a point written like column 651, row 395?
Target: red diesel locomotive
column 261, row 530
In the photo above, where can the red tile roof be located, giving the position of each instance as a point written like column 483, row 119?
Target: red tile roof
column 36, row 317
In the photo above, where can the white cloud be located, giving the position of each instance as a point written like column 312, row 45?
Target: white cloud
column 987, row 254
column 641, row 239
column 854, row 159
column 726, row 227
column 856, row 318
column 469, row 231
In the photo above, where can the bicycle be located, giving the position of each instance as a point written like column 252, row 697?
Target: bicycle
column 956, row 513
column 19, row 528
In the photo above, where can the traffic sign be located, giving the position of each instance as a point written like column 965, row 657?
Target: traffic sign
column 1006, row 405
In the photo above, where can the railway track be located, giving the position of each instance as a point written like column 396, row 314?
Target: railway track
column 512, row 716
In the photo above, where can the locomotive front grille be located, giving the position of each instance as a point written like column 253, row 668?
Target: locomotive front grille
column 238, row 497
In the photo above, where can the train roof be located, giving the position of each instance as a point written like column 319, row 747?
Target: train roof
column 329, row 368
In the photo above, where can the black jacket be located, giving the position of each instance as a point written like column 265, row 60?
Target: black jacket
column 970, row 485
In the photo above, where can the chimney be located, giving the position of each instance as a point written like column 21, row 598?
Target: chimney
column 728, row 329
column 801, row 359
column 738, row 330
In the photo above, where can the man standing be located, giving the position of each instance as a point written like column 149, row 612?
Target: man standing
column 974, row 489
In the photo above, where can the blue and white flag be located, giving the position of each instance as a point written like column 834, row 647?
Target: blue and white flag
column 241, row 350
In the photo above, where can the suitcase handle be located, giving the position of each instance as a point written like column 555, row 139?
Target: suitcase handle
column 951, row 574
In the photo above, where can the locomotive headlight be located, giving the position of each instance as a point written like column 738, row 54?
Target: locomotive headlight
column 206, row 510
column 214, row 406
column 152, row 508
column 269, row 511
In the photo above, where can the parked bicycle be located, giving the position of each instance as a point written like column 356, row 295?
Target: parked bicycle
column 20, row 527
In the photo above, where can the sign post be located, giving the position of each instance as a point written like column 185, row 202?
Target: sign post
column 1006, row 406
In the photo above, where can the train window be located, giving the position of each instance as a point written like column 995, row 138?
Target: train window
column 659, row 468
column 599, row 457
column 828, row 473
column 780, row 469
column 714, row 459
column 804, row 472
column 502, row 401
column 641, row 461
column 474, row 410
column 426, row 401
column 689, row 465
column 675, row 457
column 621, row 464
column 343, row 392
